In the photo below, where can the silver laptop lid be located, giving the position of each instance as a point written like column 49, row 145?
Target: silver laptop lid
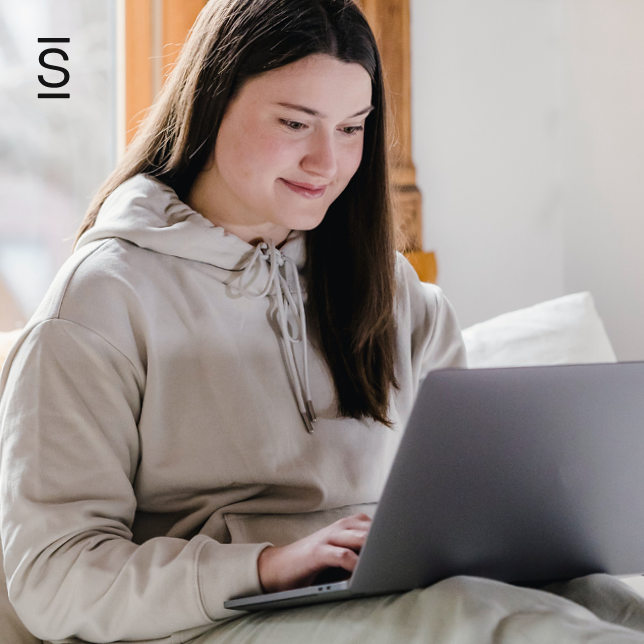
column 523, row 474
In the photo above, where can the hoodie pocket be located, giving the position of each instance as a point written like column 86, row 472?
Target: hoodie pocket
column 282, row 529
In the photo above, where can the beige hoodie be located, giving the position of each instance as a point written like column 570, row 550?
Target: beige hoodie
column 153, row 438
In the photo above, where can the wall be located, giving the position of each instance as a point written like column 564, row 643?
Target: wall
column 529, row 145
column 604, row 224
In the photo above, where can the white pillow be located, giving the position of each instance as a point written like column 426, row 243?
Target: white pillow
column 567, row 330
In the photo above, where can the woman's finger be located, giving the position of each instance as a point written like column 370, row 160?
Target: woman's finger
column 330, row 556
column 355, row 519
column 353, row 539
column 351, row 523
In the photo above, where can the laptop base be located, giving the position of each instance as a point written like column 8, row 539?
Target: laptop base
column 290, row 598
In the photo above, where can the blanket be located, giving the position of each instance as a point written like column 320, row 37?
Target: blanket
column 597, row 609
column 460, row 610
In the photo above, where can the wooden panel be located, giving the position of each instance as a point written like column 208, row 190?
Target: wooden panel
column 389, row 20
column 138, row 69
column 424, row 264
column 178, row 18
column 409, row 218
column 155, row 31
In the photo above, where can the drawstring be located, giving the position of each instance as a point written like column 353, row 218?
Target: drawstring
column 278, row 286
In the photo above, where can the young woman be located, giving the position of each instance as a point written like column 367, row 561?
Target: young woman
column 209, row 398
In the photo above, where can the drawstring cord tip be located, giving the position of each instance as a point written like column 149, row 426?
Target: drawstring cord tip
column 310, row 411
column 308, row 423
column 309, row 417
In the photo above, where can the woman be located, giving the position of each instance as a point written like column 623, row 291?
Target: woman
column 209, row 398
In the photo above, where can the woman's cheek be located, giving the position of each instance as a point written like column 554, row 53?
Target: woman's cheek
column 274, row 150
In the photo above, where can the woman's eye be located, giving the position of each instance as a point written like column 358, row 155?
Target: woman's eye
column 292, row 125
column 352, row 129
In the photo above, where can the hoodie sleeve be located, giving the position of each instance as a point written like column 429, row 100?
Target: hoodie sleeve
column 436, row 339
column 444, row 347
column 69, row 454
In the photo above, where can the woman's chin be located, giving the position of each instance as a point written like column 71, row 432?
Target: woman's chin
column 304, row 223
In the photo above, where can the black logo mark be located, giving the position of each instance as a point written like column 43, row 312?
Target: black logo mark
column 44, row 63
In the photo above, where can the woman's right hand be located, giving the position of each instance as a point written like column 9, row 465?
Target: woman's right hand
column 299, row 563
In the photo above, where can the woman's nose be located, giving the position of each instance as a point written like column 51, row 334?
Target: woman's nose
column 321, row 158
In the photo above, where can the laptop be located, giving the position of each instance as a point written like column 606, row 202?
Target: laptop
column 526, row 475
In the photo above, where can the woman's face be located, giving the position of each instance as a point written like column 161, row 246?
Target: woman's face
column 288, row 145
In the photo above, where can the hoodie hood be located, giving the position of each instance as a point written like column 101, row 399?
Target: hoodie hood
column 148, row 213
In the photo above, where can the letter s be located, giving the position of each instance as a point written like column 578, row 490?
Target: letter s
column 41, row 59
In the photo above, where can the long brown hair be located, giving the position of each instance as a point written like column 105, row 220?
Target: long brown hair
column 350, row 260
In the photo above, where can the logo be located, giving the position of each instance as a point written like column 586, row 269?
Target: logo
column 43, row 62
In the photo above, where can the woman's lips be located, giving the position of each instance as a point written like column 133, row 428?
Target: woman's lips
column 305, row 189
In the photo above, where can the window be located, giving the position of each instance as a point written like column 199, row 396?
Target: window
column 54, row 152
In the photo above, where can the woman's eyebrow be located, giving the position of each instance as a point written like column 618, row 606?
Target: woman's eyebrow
column 311, row 112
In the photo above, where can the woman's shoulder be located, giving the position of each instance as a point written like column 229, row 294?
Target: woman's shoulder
column 429, row 318
column 90, row 308
column 91, row 277
column 412, row 291
column 98, row 289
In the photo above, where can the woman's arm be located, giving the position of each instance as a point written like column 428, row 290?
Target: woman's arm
column 436, row 339
column 443, row 346
column 70, row 452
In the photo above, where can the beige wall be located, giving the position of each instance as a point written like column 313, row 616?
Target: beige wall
column 486, row 118
column 528, row 122
column 604, row 163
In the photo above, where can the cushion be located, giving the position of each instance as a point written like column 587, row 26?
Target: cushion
column 567, row 330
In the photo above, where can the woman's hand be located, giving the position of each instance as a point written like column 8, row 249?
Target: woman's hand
column 298, row 564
